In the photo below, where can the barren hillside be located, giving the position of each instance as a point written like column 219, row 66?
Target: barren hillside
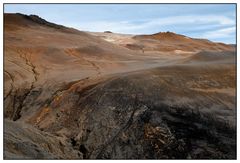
column 70, row 94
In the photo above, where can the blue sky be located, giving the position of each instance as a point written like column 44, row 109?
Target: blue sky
column 215, row 22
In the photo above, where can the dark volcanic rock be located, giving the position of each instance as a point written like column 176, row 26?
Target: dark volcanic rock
column 107, row 32
column 169, row 118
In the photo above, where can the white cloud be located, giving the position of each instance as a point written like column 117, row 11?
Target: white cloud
column 221, row 33
column 157, row 23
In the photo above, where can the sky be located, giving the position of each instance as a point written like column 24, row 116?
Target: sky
column 216, row 22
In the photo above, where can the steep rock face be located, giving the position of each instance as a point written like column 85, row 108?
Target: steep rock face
column 174, row 115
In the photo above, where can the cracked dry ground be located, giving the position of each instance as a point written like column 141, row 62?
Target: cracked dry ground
column 72, row 95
